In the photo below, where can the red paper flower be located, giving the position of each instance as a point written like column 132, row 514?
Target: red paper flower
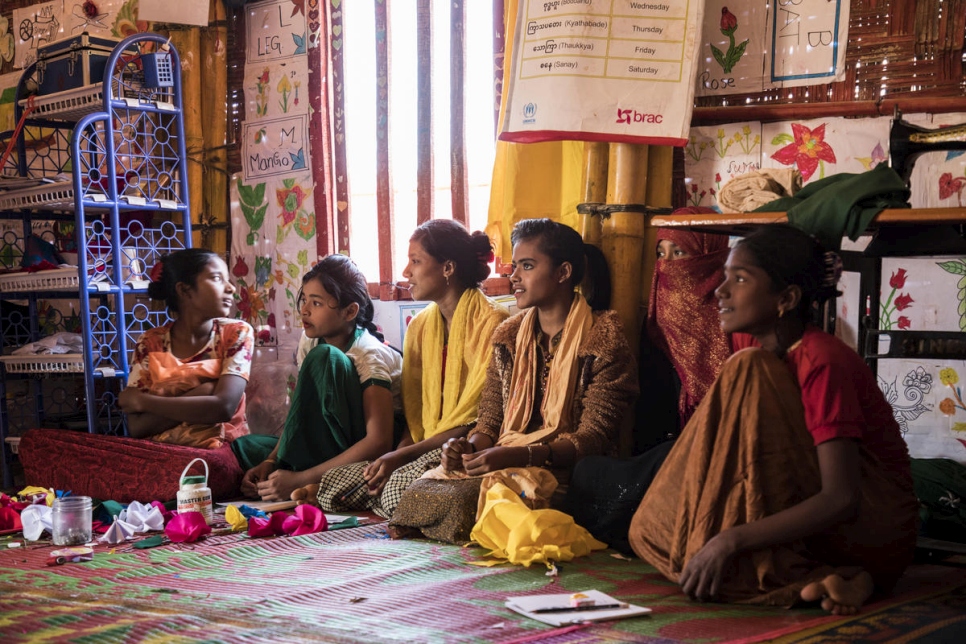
column 806, row 151
column 898, row 279
column 903, row 302
column 904, row 322
column 729, row 22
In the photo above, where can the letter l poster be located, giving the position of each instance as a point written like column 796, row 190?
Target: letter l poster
column 603, row 70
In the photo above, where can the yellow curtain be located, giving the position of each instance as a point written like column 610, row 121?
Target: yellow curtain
column 531, row 179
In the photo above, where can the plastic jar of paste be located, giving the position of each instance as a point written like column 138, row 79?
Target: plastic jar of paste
column 71, row 521
column 194, row 495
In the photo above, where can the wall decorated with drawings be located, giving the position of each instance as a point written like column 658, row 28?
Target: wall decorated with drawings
column 273, row 212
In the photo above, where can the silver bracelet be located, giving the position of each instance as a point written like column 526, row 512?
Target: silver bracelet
column 529, row 455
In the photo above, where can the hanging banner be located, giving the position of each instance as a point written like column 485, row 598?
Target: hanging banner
column 603, row 70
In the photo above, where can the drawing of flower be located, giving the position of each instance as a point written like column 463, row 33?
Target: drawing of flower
column 284, row 88
column 807, row 150
column 958, row 267
column 253, row 205
column 723, row 143
column 950, row 378
column 903, row 302
column 898, row 279
column 896, row 302
column 126, row 22
column 241, row 268
column 877, row 156
column 261, row 97
column 745, row 141
column 729, row 24
column 290, row 199
column 694, row 149
column 949, row 187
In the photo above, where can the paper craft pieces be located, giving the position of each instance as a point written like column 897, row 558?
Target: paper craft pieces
column 307, row 519
column 236, row 519
column 70, row 555
column 187, row 527
column 119, row 532
column 36, row 518
column 143, row 518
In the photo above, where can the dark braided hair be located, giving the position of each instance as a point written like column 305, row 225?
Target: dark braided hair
column 343, row 280
column 792, row 257
column 179, row 267
column 447, row 240
column 564, row 244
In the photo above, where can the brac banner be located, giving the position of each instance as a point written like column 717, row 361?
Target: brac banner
column 603, row 70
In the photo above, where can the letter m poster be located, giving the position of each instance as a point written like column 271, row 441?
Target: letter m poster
column 602, row 70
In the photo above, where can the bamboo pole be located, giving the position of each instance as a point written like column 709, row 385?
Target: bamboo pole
column 214, row 111
column 595, row 189
column 188, row 43
column 660, row 163
column 622, row 239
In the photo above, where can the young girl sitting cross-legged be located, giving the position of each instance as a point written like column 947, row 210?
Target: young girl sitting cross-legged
column 791, row 481
column 188, row 378
column 446, row 352
column 343, row 407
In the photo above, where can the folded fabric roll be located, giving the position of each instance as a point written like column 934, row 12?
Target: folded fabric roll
column 749, row 191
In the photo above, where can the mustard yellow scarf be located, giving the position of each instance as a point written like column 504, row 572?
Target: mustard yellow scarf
column 468, row 354
column 558, row 397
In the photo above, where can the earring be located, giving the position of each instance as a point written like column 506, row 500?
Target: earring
column 781, row 312
column 447, row 279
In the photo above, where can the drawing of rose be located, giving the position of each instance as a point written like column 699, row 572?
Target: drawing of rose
column 949, row 187
column 729, row 24
column 898, row 279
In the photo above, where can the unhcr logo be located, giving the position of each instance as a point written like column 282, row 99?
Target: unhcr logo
column 529, row 112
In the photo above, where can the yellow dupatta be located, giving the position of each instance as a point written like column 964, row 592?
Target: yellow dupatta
column 468, row 355
column 558, row 398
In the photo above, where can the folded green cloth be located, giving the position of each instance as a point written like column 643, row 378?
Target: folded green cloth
column 843, row 204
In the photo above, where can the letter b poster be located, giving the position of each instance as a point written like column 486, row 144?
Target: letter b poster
column 603, row 70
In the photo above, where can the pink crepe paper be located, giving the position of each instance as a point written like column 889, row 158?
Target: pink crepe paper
column 166, row 514
column 187, row 527
column 306, row 520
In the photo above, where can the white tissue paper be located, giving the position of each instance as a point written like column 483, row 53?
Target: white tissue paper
column 36, row 518
column 143, row 518
column 118, row 532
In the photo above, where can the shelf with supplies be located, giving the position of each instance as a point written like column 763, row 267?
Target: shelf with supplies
column 97, row 169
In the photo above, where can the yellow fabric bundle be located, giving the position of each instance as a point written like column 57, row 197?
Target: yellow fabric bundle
column 468, row 354
column 514, row 532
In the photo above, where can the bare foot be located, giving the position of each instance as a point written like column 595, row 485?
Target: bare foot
column 308, row 494
column 840, row 596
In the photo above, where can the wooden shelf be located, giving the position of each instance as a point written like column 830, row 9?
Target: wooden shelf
column 742, row 223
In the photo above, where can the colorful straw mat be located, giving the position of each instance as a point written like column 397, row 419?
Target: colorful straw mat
column 356, row 585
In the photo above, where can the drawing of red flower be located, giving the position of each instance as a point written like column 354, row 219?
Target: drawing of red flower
column 903, row 302
column 898, row 279
column 949, row 186
column 729, row 22
column 290, row 199
column 903, row 322
column 806, row 151
column 241, row 268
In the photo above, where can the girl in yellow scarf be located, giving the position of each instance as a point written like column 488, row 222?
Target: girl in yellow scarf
column 559, row 383
column 445, row 354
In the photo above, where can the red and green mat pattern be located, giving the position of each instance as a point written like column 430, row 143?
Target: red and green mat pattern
column 355, row 585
